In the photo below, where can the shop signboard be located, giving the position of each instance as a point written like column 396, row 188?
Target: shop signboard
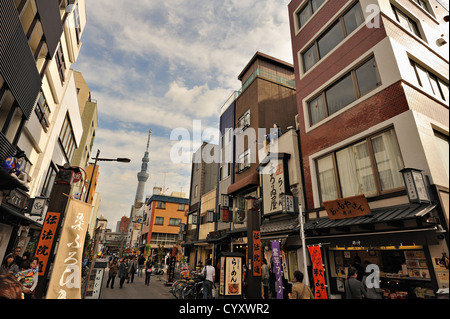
column 415, row 185
column 347, row 207
column 274, row 186
column 231, row 275
column 276, row 259
column 65, row 280
column 257, row 253
column 320, row 291
column 46, row 240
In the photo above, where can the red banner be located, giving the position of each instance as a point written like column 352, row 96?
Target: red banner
column 320, row 291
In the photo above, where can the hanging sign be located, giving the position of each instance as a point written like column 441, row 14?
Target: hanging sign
column 65, row 281
column 347, row 207
column 276, row 259
column 256, row 253
column 320, row 291
column 46, row 240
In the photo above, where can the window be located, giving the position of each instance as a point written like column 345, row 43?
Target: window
column 244, row 121
column 423, row 4
column 43, row 111
column 196, row 191
column 334, row 35
column 60, row 63
column 181, row 207
column 370, row 167
column 244, row 160
column 49, row 181
column 344, row 91
column 174, row 221
column 431, row 83
column 307, row 11
column 67, row 139
column 159, row 220
column 161, row 205
column 406, row 21
column 442, row 144
column 12, row 119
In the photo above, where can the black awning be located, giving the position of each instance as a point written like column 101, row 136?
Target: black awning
column 378, row 215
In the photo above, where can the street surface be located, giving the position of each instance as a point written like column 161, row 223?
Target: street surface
column 136, row 290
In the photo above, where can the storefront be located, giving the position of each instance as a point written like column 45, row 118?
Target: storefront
column 399, row 240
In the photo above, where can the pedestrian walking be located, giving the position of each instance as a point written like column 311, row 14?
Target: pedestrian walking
column 9, row 265
column 141, row 262
column 28, row 276
column 148, row 270
column 133, row 268
column 113, row 270
column 299, row 289
column 123, row 270
column 354, row 289
column 210, row 274
column 265, row 278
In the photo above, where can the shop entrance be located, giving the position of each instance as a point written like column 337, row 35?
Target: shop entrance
column 404, row 270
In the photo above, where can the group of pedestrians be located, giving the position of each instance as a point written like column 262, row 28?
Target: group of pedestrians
column 127, row 267
column 18, row 275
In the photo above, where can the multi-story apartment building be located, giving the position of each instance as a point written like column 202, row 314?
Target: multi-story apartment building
column 161, row 221
column 39, row 112
column 372, row 93
column 203, row 181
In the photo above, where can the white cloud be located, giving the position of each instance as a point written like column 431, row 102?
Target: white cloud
column 162, row 65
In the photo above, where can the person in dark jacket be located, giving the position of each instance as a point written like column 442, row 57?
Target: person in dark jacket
column 354, row 289
column 123, row 271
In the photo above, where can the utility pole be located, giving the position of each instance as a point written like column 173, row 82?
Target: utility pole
column 302, row 237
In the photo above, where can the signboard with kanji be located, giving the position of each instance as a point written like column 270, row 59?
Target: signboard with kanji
column 276, row 259
column 46, row 240
column 320, row 290
column 347, row 207
column 256, row 253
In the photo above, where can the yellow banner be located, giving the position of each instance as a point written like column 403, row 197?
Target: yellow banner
column 65, row 280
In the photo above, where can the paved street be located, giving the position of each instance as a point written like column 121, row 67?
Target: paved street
column 137, row 289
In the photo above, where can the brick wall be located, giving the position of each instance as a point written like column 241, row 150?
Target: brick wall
column 374, row 110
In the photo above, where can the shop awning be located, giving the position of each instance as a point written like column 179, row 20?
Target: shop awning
column 251, row 180
column 286, row 225
column 378, row 215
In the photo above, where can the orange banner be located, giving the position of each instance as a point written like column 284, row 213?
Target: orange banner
column 46, row 240
column 256, row 253
column 320, row 290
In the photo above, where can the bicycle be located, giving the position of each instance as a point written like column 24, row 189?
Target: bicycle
column 193, row 288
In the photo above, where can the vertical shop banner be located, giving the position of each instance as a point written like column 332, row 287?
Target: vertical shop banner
column 276, row 259
column 257, row 253
column 233, row 276
column 65, row 281
column 46, row 240
column 320, row 290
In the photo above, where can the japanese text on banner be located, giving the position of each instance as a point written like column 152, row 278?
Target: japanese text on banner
column 320, row 290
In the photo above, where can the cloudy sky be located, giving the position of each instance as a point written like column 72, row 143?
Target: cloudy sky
column 160, row 65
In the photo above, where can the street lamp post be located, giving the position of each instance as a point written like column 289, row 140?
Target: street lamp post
column 95, row 238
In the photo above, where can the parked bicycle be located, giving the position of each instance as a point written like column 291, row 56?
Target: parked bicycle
column 193, row 289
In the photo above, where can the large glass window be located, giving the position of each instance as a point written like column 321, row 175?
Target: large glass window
column 370, row 167
column 431, row 83
column 406, row 21
column 67, row 139
column 442, row 144
column 307, row 11
column 340, row 94
column 334, row 35
column 344, row 91
column 330, row 39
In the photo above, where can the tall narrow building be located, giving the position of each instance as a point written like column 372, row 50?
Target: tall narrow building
column 142, row 175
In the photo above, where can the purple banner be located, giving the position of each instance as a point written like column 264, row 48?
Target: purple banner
column 276, row 259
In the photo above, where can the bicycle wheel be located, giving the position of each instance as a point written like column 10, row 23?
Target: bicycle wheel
column 189, row 292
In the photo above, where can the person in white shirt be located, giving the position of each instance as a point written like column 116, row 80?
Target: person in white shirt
column 210, row 274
